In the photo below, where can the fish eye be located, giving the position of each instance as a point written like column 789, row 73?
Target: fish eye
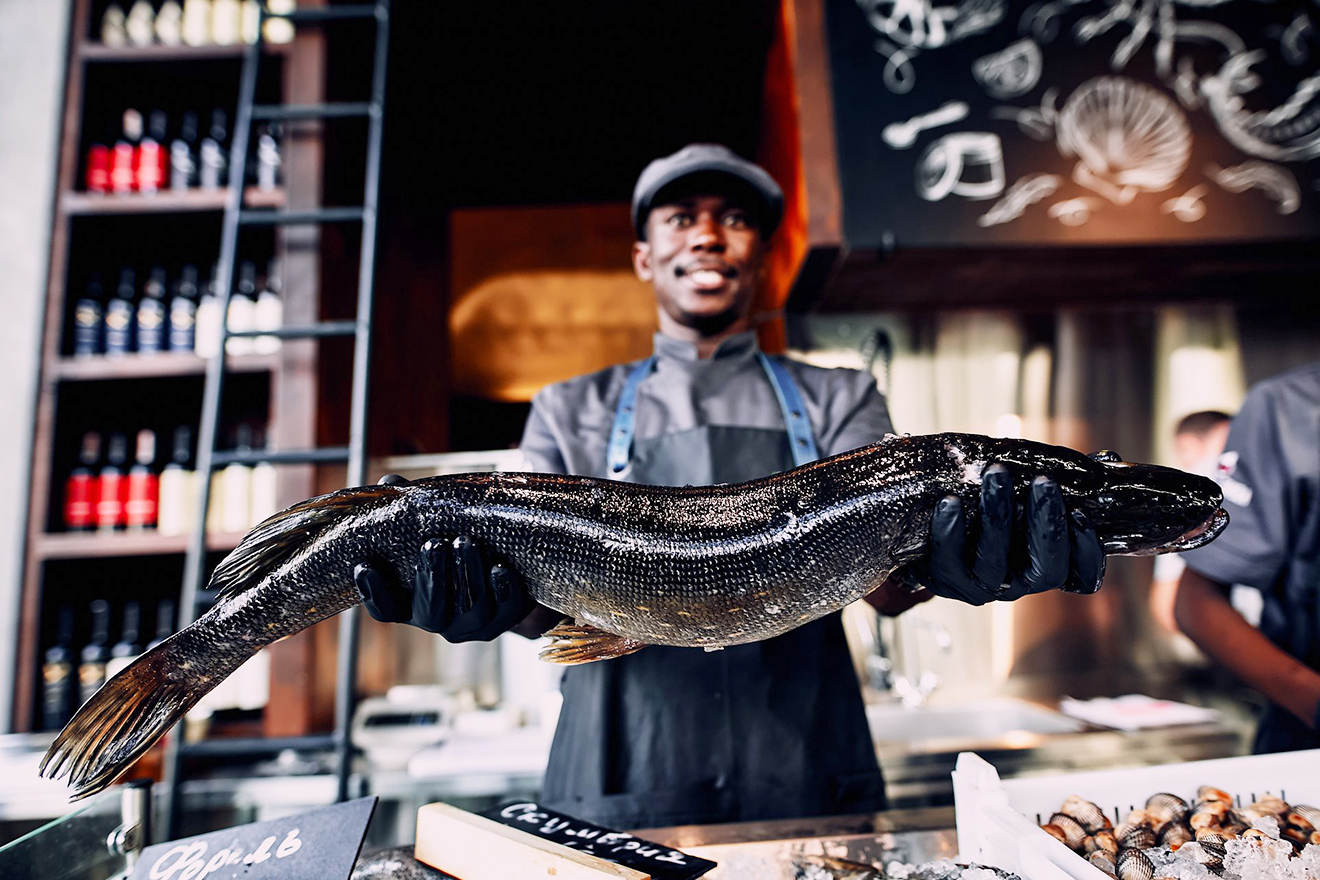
column 1109, row 457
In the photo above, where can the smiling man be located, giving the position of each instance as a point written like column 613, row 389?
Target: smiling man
column 773, row 729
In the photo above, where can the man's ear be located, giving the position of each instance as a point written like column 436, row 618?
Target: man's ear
column 641, row 260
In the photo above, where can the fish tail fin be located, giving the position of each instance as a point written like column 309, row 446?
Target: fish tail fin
column 129, row 713
column 575, row 643
column 280, row 537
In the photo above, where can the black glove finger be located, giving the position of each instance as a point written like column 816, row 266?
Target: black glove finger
column 1047, row 538
column 1087, row 568
column 948, row 539
column 384, row 601
column 433, row 594
column 476, row 597
column 990, row 565
column 393, row 480
column 512, row 603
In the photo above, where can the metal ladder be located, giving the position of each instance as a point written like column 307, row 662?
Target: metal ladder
column 355, row 453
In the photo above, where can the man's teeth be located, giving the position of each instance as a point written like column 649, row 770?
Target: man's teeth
column 706, row 276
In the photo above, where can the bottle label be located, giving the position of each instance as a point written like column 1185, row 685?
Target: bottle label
column 57, row 693
column 98, row 169
column 150, row 167
column 122, row 176
column 119, row 327
column 151, row 326
column 143, row 503
column 183, row 324
column 80, row 502
column 110, row 502
column 87, row 319
column 90, row 678
column 183, row 168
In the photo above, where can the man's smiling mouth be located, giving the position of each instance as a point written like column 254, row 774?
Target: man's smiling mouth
column 706, row 277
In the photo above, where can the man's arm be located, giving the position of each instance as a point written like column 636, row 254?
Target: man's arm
column 1204, row 614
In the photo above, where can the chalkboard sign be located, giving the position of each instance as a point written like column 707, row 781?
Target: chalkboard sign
column 322, row 843
column 660, row 862
column 981, row 122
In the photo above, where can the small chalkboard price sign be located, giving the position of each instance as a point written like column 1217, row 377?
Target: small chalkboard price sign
column 321, row 844
column 661, row 862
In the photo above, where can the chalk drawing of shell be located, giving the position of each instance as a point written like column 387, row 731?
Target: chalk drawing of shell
column 1127, row 136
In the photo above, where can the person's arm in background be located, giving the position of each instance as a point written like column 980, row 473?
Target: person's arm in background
column 1206, row 617
column 1259, row 495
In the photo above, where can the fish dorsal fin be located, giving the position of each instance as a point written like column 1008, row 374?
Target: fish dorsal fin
column 278, row 538
column 575, row 643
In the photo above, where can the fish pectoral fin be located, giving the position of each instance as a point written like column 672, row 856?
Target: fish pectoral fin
column 574, row 643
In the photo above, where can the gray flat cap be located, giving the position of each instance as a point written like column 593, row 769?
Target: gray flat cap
column 716, row 161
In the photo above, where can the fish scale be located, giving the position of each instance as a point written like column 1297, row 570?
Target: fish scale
column 633, row 565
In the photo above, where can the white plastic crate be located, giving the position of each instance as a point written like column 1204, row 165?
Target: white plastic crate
column 997, row 819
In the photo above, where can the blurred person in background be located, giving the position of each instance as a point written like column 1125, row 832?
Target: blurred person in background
column 1198, row 440
column 1270, row 474
column 773, row 729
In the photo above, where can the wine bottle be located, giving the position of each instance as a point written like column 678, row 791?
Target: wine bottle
column 152, row 167
column 183, row 154
column 207, row 340
column 95, row 654
column 236, row 501
column 268, row 159
column 175, row 514
column 151, row 317
column 242, row 308
column 123, row 159
column 140, row 25
column 57, row 689
column 211, row 162
column 142, row 503
column 197, row 22
column 269, row 313
column 81, row 489
column 127, row 649
column 89, row 320
column 112, row 488
column 169, row 23
column 226, row 22
column 119, row 316
column 262, row 500
column 183, row 310
column 98, row 165
column 114, row 26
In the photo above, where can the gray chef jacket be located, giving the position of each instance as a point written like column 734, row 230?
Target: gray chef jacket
column 671, row 736
column 1270, row 474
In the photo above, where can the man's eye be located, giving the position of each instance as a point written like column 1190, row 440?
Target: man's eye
column 736, row 219
column 679, row 218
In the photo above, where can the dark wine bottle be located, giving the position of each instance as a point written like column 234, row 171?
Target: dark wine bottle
column 57, row 687
column 89, row 320
column 96, row 653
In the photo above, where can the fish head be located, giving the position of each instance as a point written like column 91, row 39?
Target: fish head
column 1145, row 509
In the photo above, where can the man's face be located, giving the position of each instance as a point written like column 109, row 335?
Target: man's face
column 703, row 254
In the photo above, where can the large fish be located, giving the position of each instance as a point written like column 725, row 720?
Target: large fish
column 633, row 565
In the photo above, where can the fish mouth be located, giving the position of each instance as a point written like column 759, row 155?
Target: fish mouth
column 1199, row 536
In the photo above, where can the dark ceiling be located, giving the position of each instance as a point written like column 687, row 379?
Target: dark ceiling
column 523, row 103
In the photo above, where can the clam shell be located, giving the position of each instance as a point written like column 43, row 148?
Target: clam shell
column 1303, row 816
column 1087, row 814
column 1138, row 817
column 1315, row 837
column 1175, row 834
column 1210, row 793
column 1104, row 861
column 1104, row 841
column 1211, row 842
column 1296, row 836
column 1140, row 837
column 1165, row 807
column 1134, row 865
column 1270, row 806
column 1055, row 831
column 1073, row 832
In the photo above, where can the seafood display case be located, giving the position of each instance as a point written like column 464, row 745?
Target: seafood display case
column 999, row 820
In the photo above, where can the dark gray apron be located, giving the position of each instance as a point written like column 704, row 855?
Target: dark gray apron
column 674, row 736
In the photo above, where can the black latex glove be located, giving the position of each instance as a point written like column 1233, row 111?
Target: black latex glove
column 1061, row 549
column 456, row 591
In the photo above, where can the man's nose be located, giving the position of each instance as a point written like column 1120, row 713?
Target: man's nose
column 706, row 234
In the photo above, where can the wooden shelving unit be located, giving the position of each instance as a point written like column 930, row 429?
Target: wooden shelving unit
column 69, row 568
column 93, row 546
column 75, row 204
column 96, row 52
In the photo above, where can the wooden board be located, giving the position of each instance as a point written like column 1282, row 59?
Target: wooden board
column 473, row 847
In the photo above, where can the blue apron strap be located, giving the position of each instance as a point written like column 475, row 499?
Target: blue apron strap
column 625, row 420
column 800, row 439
